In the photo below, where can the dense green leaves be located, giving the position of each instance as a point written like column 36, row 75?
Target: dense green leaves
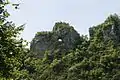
column 97, row 58
column 12, row 50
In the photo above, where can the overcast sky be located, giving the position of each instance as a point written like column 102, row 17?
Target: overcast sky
column 40, row 15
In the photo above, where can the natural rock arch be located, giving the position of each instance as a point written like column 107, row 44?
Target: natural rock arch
column 63, row 36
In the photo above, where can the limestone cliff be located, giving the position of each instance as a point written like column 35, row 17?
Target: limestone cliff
column 109, row 30
column 62, row 38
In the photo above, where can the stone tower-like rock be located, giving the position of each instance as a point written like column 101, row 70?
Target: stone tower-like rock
column 63, row 38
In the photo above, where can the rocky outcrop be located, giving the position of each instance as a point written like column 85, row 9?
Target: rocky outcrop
column 109, row 30
column 63, row 38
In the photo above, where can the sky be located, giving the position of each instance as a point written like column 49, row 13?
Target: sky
column 41, row 15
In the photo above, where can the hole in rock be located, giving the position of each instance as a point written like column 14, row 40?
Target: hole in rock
column 60, row 40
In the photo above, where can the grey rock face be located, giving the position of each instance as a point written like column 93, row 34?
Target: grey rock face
column 62, row 37
column 109, row 30
column 110, row 33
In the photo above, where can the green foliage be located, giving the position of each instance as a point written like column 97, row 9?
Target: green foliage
column 44, row 33
column 61, row 25
column 12, row 50
column 94, row 59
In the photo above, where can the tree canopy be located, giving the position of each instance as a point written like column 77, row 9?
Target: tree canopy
column 95, row 58
column 12, row 49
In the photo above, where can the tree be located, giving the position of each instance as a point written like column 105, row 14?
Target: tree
column 12, row 49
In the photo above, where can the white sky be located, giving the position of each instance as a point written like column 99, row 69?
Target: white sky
column 40, row 15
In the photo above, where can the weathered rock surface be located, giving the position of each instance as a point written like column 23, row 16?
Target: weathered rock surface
column 63, row 37
column 109, row 30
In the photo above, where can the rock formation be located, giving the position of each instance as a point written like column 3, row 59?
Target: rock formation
column 109, row 30
column 63, row 38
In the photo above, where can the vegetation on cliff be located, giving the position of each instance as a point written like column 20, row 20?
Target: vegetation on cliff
column 94, row 58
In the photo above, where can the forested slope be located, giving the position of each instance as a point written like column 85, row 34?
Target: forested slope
column 96, row 58
column 69, row 56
